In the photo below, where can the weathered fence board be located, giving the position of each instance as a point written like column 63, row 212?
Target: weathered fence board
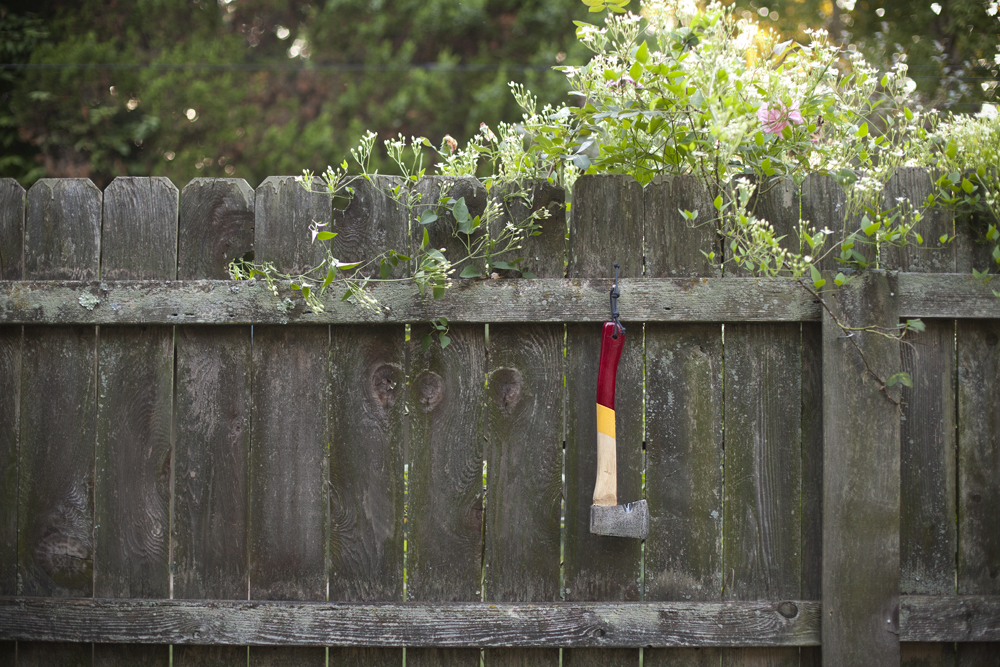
column 216, row 226
column 55, row 502
column 811, row 506
column 500, row 625
column 212, row 417
column 444, row 553
column 290, row 426
column 860, row 478
column 523, row 448
column 134, row 413
column 366, row 473
column 477, row 301
column 12, row 198
column 684, row 420
column 763, row 476
column 978, row 472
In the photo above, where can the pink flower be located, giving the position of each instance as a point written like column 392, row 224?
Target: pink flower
column 450, row 142
column 776, row 118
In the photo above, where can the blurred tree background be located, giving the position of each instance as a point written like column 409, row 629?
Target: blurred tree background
column 252, row 88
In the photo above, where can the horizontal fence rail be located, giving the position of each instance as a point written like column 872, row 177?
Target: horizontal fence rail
column 471, row 301
column 951, row 618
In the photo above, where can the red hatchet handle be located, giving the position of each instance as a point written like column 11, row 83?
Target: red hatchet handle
column 606, row 486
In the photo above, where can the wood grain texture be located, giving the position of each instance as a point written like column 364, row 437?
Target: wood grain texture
column 62, row 230
column 444, row 544
column 131, row 536
column 978, row 472
column 56, row 477
column 606, row 227
column 763, row 482
column 443, row 233
column 283, row 212
column 684, row 417
column 973, row 250
column 290, row 430
column 134, row 416
column 608, row 214
column 812, row 473
column 501, row 625
column 366, row 474
column 928, row 456
column 216, row 226
column 56, row 500
column 972, row 621
column 546, row 300
column 523, row 451
column 12, row 199
column 673, row 245
column 139, row 239
column 540, row 253
column 289, row 464
column 823, row 205
column 10, row 431
column 209, row 558
column 931, row 256
column 860, row 478
column 777, row 201
column 372, row 223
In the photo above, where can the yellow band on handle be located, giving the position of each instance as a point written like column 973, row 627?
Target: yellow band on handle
column 605, row 420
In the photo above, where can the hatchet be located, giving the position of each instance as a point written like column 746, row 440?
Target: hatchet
column 607, row 517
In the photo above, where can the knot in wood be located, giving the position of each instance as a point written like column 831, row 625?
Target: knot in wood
column 506, row 386
column 430, row 390
column 788, row 609
column 384, row 382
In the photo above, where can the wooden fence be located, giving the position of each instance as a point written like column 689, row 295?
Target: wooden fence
column 191, row 462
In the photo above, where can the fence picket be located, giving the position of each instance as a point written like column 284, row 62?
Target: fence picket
column 445, row 524
column 55, row 500
column 212, row 417
column 811, row 507
column 684, row 419
column 12, row 197
column 523, row 448
column 927, row 429
column 978, row 472
column 607, row 228
column 289, row 432
column 860, row 477
column 135, row 387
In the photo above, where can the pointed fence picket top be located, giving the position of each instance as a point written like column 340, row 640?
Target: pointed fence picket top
column 366, row 495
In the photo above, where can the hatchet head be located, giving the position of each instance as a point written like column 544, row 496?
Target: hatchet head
column 629, row 520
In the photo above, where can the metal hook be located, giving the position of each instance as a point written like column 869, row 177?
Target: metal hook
column 614, row 306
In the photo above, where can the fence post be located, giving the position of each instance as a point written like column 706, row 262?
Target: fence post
column 861, row 487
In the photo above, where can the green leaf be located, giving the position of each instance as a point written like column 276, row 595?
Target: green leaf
column 470, row 272
column 816, row 276
column 901, row 378
column 635, row 71
column 916, row 325
column 461, row 211
column 444, row 341
column 943, row 238
column 840, row 279
column 426, row 341
column 305, row 291
column 503, row 265
column 529, row 275
column 426, row 240
column 862, row 131
column 427, row 217
column 642, row 53
column 907, row 113
column 872, row 228
column 996, row 253
column 438, row 291
column 718, row 203
column 384, row 270
column 325, row 236
column 992, row 234
column 968, row 186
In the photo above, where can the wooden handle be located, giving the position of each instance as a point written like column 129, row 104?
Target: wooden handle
column 606, row 486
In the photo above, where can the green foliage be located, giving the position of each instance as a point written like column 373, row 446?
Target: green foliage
column 253, row 88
